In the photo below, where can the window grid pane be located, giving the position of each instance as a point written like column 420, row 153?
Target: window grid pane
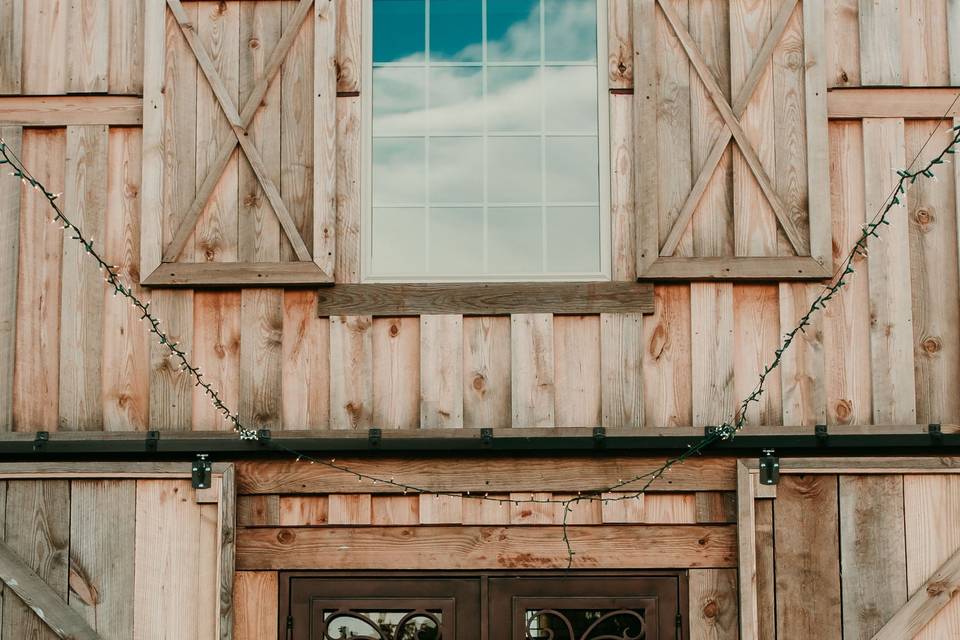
column 450, row 120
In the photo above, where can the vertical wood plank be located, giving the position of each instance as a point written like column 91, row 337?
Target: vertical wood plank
column 81, row 284
column 623, row 213
column 891, row 331
column 766, row 579
column 437, row 509
column 396, row 373
column 44, row 47
column 395, row 510
column 324, row 210
column 843, row 43
column 754, row 223
column 36, row 365
column 477, row 511
column 670, row 508
column 348, row 509
column 872, row 552
column 259, row 228
column 623, row 508
column 815, row 102
column 716, row 507
column 486, row 372
column 620, row 45
column 215, row 234
column 934, row 272
column 348, row 196
column 125, row 53
column 171, row 390
column 126, row 341
column 880, row 43
column 576, row 345
column 303, row 511
column 88, row 41
column 532, row 370
column 646, row 132
column 37, row 530
column 580, row 511
column 807, row 558
column 926, row 58
column 953, row 39
column 756, row 323
column 621, row 369
column 206, row 598
column 306, row 362
column 9, row 257
column 524, row 511
column 261, row 355
column 802, row 370
column 154, row 145
column 846, row 320
column 351, row 372
column 167, row 560
column 258, row 510
column 667, row 386
column 713, row 604
column 712, row 341
column 931, row 506
column 11, row 46
column 255, row 601
column 349, row 43
column 216, row 350
column 441, row 371
column 102, row 537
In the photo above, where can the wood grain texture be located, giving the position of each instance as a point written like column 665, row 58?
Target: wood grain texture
column 261, row 355
column 623, row 215
column 623, row 508
column 880, row 43
column 807, row 558
column 102, row 536
column 802, row 373
column 216, row 350
column 325, row 160
column 154, row 147
column 345, row 509
column 88, row 41
column 926, row 603
column 11, row 46
column 349, row 43
column 258, row 510
column 125, row 64
column 756, row 326
column 126, row 341
column 485, row 299
column 715, row 507
column 646, row 132
column 472, row 547
column 9, row 257
column 898, row 102
column 499, row 474
column 71, row 110
column 872, row 552
column 396, row 373
column 255, row 605
column 235, row 274
column 577, row 366
column 81, row 284
column 934, row 272
column 713, row 604
column 524, row 510
column 396, row 510
column 486, row 372
column 44, row 62
column 306, row 362
column 930, row 504
column 746, row 268
column 712, row 342
column 621, row 369
column 843, row 43
column 764, row 538
column 924, row 33
column 953, row 31
column 891, row 331
column 37, row 361
column 533, row 389
column 37, row 532
column 305, row 511
column 620, row 45
column 349, row 209
column 846, row 322
column 351, row 372
column 441, row 371
column 667, row 386
column 439, row 509
column 171, row 390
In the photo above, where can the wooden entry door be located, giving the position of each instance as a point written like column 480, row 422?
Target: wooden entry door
column 534, row 606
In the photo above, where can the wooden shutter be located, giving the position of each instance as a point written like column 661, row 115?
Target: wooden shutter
column 732, row 177
column 239, row 142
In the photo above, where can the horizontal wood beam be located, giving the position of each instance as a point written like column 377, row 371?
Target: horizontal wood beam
column 60, row 111
column 475, row 548
column 925, row 604
column 735, row 268
column 41, row 599
column 864, row 465
column 486, row 299
column 237, row 274
column 907, row 102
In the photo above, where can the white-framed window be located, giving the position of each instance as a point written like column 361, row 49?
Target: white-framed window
column 485, row 140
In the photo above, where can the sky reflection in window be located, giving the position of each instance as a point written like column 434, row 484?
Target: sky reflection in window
column 478, row 140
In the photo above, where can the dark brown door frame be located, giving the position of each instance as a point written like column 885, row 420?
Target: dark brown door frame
column 415, row 581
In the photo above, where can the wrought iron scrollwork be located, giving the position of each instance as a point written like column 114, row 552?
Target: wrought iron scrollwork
column 415, row 625
column 550, row 624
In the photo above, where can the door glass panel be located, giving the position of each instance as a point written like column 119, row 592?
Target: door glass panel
column 382, row 625
column 585, row 624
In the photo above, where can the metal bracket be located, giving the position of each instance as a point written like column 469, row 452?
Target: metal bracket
column 201, row 472
column 599, row 436
column 263, row 437
column 769, row 467
column 152, row 441
column 375, row 437
column 486, row 436
column 936, row 433
column 40, row 440
column 820, row 431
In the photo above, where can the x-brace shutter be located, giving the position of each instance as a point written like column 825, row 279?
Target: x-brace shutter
column 658, row 259
column 159, row 261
